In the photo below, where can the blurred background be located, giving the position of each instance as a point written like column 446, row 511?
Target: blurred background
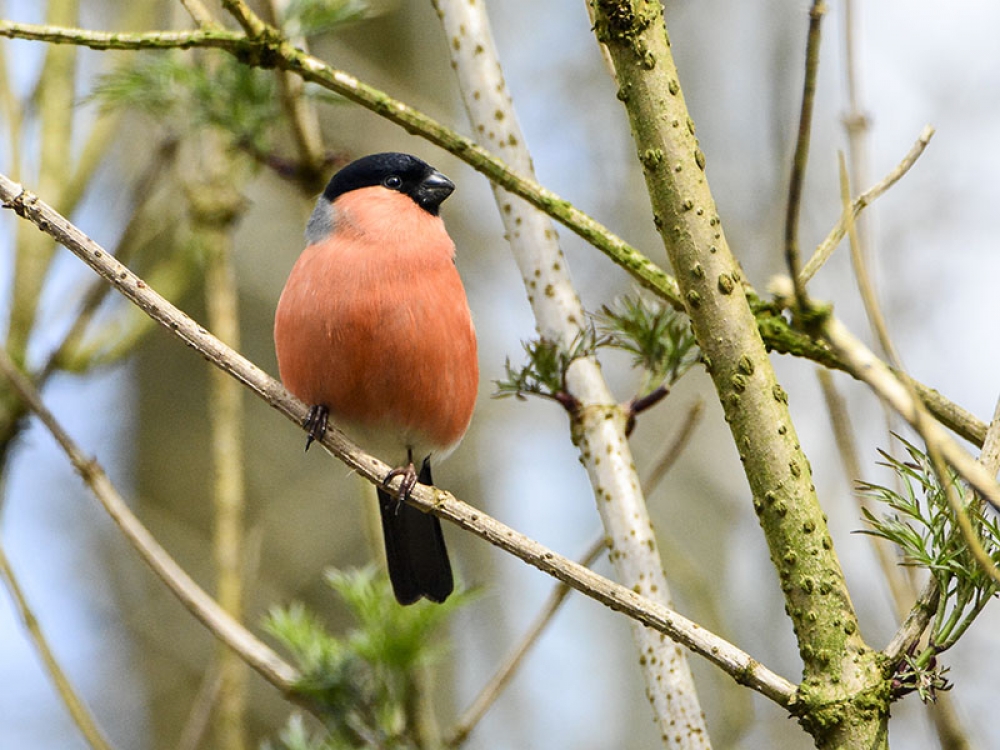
column 138, row 657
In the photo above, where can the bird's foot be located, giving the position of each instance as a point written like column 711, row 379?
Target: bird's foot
column 315, row 423
column 406, row 484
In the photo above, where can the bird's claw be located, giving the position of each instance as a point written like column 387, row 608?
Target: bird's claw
column 406, row 484
column 315, row 423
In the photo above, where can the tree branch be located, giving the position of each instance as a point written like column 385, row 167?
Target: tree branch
column 828, row 245
column 271, row 50
column 598, row 425
column 776, row 332
column 801, row 157
column 743, row 668
column 867, row 367
column 257, row 654
column 839, row 667
column 492, row 690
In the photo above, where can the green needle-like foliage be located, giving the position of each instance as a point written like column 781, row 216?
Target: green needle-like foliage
column 237, row 99
column 922, row 524
column 314, row 17
column 545, row 373
column 363, row 681
column 658, row 337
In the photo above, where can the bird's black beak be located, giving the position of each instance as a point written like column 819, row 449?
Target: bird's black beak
column 433, row 190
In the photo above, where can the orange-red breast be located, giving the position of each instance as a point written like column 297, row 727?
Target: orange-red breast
column 373, row 329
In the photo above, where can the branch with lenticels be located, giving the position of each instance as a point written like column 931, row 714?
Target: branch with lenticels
column 740, row 665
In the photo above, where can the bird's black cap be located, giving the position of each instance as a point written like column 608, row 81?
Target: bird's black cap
column 400, row 172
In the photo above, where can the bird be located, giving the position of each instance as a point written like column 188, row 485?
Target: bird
column 373, row 331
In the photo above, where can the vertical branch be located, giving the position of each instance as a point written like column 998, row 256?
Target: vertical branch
column 302, row 115
column 839, row 667
column 598, row 424
column 215, row 207
column 56, row 88
column 857, row 126
column 801, row 157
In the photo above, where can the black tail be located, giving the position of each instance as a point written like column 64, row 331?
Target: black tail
column 414, row 549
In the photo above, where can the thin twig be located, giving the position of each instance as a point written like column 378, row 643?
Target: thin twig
column 869, row 368
column 990, row 455
column 81, row 716
column 915, row 623
column 801, row 157
column 828, row 245
column 869, row 299
column 199, row 13
column 302, row 116
column 492, row 690
column 250, row 21
column 488, row 695
column 200, row 714
column 676, row 447
column 900, row 589
column 777, row 334
column 732, row 660
column 254, row 652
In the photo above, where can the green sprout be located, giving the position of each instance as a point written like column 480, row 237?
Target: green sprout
column 364, row 682
column 658, row 337
column 545, row 373
column 922, row 525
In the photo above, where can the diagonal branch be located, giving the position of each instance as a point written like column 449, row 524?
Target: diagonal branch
column 889, row 386
column 256, row 653
column 829, row 244
column 271, row 51
column 740, row 665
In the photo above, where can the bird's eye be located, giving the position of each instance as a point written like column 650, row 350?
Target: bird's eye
column 393, row 182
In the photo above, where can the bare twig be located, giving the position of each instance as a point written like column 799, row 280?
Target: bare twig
column 250, row 21
column 915, row 623
column 488, row 695
column 801, row 157
column 74, row 704
column 492, row 690
column 990, row 455
column 199, row 13
column 900, row 589
column 775, row 331
column 676, row 446
column 869, row 299
column 200, row 714
column 738, row 664
column 302, row 116
column 828, row 245
column 867, row 367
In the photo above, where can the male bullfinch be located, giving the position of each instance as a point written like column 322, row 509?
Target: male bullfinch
column 373, row 329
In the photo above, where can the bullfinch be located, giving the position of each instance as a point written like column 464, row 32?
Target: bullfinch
column 373, row 330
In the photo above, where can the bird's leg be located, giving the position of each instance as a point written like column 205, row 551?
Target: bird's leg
column 408, row 481
column 315, row 423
